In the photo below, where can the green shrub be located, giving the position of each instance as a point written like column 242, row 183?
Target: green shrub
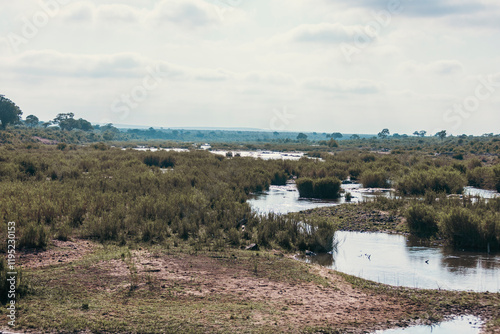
column 279, row 179
column 463, row 229
column 305, row 187
column 327, row 187
column 438, row 180
column 374, row 179
column 34, row 236
column 422, row 220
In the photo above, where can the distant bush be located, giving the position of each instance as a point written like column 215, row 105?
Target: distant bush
column 422, row 220
column 472, row 230
column 327, row 187
column 374, row 179
column 436, row 179
column 305, row 187
column 279, row 179
column 34, row 236
column 496, row 171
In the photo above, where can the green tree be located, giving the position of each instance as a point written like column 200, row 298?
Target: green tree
column 384, row 133
column 336, row 135
column 10, row 113
column 441, row 134
column 32, row 121
column 355, row 137
column 65, row 121
column 301, row 136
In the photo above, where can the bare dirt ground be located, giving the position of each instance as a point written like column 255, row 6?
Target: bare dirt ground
column 61, row 252
column 302, row 296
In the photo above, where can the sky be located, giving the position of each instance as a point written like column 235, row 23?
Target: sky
column 284, row 65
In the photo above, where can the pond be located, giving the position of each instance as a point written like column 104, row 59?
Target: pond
column 286, row 199
column 458, row 325
column 389, row 258
column 404, row 261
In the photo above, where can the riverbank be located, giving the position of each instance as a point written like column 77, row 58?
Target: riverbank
column 177, row 289
column 361, row 217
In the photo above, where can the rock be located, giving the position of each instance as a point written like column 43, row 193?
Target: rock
column 252, row 247
column 309, row 253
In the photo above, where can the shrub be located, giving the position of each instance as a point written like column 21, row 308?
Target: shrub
column 438, row 180
column 422, row 220
column 327, row 187
column 34, row 236
column 279, row 179
column 462, row 229
column 305, row 187
column 374, row 179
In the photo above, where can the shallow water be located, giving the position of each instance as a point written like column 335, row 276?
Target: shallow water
column 471, row 191
column 459, row 325
column 286, row 199
column 265, row 155
column 403, row 261
column 390, row 258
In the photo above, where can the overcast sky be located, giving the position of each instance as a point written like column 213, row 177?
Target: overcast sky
column 300, row 65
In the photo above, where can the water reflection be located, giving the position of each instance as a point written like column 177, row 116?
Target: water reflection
column 459, row 325
column 389, row 258
column 397, row 260
column 286, row 199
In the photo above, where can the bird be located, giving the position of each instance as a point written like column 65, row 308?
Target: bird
column 427, row 261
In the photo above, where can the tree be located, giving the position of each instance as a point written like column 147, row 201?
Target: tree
column 83, row 125
column 420, row 133
column 301, row 136
column 384, row 133
column 332, row 143
column 336, row 135
column 355, row 137
column 67, row 122
column 10, row 113
column 32, row 121
column 441, row 134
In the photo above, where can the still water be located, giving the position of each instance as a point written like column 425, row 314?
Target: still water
column 459, row 325
column 286, row 199
column 403, row 261
column 389, row 258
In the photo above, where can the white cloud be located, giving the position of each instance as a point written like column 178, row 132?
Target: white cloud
column 440, row 67
column 327, row 33
column 353, row 86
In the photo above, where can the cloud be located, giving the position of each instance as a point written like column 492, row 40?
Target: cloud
column 52, row 63
column 425, row 8
column 325, row 33
column 188, row 13
column 440, row 67
column 353, row 86
column 120, row 12
column 185, row 13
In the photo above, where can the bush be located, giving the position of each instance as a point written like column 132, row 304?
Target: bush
column 305, row 187
column 327, row 187
column 422, row 220
column 34, row 236
column 438, row 180
column 374, row 179
column 469, row 229
column 279, row 179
